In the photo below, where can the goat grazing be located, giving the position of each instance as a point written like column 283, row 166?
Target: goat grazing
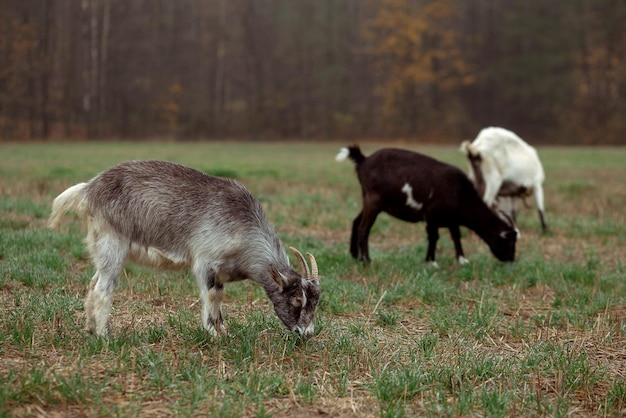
column 502, row 165
column 414, row 187
column 170, row 216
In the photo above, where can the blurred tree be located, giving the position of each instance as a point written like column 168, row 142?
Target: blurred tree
column 599, row 105
column 417, row 49
column 25, row 42
column 535, row 77
column 312, row 68
column 523, row 51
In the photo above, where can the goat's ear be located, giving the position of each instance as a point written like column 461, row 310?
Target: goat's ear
column 509, row 235
column 279, row 278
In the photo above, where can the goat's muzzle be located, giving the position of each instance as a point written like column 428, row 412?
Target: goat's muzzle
column 305, row 332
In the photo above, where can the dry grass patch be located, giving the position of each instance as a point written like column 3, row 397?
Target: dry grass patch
column 544, row 336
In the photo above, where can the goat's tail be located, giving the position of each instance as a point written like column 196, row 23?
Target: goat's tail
column 72, row 199
column 468, row 149
column 352, row 152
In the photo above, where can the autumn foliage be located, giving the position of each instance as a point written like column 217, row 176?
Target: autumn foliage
column 428, row 69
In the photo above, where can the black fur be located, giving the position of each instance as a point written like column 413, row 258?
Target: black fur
column 443, row 197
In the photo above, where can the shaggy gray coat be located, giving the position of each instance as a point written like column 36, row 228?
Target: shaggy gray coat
column 170, row 216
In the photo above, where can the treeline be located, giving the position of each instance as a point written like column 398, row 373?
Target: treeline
column 552, row 70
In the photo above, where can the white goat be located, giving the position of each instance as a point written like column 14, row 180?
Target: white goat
column 170, row 216
column 503, row 167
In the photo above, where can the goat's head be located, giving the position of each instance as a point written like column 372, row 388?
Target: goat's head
column 503, row 246
column 297, row 295
column 505, row 209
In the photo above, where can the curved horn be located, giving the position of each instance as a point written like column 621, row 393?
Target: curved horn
column 507, row 218
column 305, row 268
column 314, row 270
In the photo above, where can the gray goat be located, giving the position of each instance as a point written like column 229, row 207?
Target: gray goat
column 170, row 216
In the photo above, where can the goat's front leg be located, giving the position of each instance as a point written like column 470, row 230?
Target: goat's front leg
column 455, row 233
column 211, row 296
column 433, row 237
column 492, row 186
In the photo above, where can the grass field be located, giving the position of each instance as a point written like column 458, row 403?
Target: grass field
column 544, row 336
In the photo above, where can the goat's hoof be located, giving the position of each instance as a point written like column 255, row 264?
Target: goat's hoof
column 432, row 264
column 221, row 331
column 103, row 331
column 364, row 261
column 105, row 334
column 216, row 331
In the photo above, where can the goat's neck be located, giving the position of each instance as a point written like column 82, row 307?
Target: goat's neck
column 482, row 220
column 479, row 180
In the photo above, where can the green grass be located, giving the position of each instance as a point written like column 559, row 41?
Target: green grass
column 544, row 336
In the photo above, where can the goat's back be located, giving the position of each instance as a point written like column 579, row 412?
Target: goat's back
column 394, row 167
column 385, row 174
column 169, row 206
column 510, row 154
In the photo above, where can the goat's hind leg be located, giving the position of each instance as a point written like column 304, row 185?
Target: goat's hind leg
column 211, row 297
column 108, row 254
column 354, row 237
column 366, row 220
column 538, row 191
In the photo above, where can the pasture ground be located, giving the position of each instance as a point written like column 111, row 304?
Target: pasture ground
column 544, row 336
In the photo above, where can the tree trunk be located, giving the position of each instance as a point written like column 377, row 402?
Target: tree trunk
column 102, row 66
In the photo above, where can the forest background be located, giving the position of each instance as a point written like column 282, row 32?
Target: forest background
column 433, row 70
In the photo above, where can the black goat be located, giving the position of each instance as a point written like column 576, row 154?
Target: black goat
column 414, row 187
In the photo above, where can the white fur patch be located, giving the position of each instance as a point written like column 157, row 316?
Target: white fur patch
column 308, row 330
column 215, row 301
column 304, row 298
column 343, row 154
column 152, row 257
column 410, row 202
column 463, row 260
column 211, row 308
